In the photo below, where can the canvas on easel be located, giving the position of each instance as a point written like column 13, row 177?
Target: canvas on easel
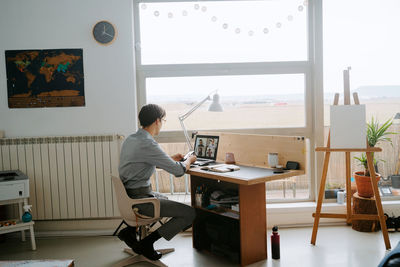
column 348, row 127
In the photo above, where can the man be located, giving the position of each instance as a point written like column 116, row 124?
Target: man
column 140, row 155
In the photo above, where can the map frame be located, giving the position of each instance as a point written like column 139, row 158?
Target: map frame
column 38, row 78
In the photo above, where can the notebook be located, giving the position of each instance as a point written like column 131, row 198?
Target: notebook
column 221, row 168
column 206, row 148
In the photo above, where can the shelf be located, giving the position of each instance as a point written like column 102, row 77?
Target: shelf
column 223, row 212
column 14, row 228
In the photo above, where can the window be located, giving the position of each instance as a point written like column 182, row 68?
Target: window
column 258, row 55
column 250, row 101
column 223, row 31
column 374, row 57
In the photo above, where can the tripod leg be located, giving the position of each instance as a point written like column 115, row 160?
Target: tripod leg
column 378, row 200
column 320, row 197
column 348, row 188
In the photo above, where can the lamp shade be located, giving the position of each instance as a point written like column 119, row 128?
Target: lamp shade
column 215, row 106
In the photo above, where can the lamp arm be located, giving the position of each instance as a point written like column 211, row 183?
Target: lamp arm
column 187, row 114
column 186, row 135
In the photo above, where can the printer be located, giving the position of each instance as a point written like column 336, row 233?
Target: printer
column 13, row 185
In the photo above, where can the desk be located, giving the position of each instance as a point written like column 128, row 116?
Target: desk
column 247, row 238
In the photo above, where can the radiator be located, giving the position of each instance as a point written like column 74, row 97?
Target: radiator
column 69, row 176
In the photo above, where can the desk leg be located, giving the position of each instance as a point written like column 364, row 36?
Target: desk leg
column 253, row 223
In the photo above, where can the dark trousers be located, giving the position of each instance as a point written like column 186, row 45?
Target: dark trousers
column 181, row 215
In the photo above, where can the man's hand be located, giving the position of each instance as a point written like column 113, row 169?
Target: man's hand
column 192, row 158
column 177, row 157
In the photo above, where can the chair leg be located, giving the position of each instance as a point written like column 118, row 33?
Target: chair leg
column 119, row 226
column 165, row 250
column 140, row 258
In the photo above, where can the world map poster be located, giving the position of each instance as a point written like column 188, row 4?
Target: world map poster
column 45, row 78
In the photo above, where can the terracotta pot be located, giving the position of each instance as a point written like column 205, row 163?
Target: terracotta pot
column 364, row 185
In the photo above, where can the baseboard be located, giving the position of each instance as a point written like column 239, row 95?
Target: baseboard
column 286, row 215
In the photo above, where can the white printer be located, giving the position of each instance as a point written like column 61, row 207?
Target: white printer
column 13, row 185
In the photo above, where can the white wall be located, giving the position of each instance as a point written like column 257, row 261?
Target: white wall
column 108, row 70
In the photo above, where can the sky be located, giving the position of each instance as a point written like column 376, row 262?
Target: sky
column 357, row 33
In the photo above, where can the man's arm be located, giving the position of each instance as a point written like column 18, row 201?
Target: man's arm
column 156, row 156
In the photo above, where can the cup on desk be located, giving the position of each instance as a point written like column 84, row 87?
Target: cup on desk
column 273, row 160
column 229, row 158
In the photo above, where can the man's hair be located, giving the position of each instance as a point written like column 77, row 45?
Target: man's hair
column 150, row 113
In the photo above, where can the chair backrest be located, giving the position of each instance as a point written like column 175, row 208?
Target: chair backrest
column 125, row 204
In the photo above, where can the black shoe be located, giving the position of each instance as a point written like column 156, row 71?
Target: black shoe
column 390, row 223
column 151, row 254
column 126, row 236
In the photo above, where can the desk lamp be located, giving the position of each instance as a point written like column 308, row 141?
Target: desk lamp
column 215, row 106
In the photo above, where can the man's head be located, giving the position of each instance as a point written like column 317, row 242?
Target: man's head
column 151, row 113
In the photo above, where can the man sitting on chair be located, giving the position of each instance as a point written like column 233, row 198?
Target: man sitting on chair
column 140, row 155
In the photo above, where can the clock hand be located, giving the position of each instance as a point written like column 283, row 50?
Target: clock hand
column 108, row 34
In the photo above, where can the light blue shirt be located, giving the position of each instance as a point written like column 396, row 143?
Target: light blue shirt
column 140, row 155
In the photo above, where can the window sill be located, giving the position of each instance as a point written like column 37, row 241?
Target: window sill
column 300, row 213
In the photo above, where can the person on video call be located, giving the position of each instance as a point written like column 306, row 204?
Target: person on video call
column 200, row 148
column 140, row 155
column 211, row 145
column 209, row 153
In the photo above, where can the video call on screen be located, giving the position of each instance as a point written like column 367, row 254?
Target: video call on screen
column 206, row 147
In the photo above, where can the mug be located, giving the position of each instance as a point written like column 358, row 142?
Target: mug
column 229, row 158
column 273, row 160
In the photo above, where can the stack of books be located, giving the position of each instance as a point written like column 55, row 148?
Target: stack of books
column 220, row 199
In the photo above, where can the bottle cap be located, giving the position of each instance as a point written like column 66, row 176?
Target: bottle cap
column 275, row 229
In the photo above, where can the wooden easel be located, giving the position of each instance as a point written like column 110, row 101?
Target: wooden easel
column 369, row 150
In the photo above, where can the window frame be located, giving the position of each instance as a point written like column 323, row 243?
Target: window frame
column 310, row 68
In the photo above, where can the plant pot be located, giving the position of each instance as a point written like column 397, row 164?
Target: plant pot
column 364, row 185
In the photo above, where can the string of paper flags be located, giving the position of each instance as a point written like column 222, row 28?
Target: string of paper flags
column 225, row 25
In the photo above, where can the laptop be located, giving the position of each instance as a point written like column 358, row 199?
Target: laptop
column 205, row 148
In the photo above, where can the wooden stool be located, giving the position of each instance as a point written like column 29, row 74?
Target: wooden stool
column 362, row 205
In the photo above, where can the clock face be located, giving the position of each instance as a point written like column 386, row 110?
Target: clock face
column 104, row 32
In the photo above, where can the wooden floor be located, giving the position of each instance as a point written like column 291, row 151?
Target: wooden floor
column 336, row 246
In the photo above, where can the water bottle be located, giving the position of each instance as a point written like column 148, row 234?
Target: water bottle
column 198, row 197
column 275, row 243
column 27, row 216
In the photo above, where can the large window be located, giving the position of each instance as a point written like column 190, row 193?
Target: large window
column 223, row 31
column 362, row 34
column 249, row 101
column 258, row 55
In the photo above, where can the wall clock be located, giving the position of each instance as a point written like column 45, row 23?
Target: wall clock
column 104, row 32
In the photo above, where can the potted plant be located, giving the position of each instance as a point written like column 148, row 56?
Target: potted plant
column 375, row 134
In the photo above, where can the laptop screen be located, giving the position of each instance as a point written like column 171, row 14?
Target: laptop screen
column 206, row 146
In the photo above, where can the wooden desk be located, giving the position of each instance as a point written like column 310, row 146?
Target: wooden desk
column 247, row 238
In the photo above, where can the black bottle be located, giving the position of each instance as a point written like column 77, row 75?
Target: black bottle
column 275, row 243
